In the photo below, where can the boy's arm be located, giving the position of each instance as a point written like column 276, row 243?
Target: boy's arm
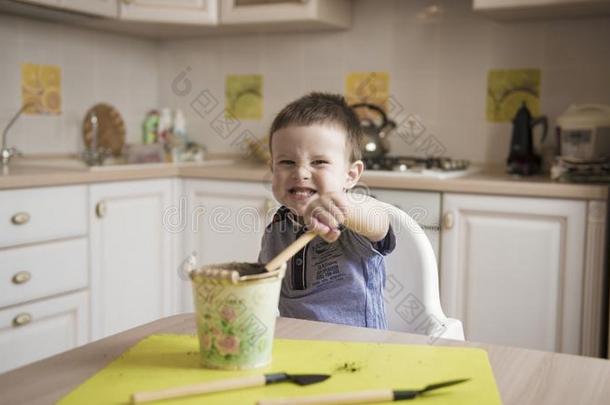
column 362, row 214
column 367, row 216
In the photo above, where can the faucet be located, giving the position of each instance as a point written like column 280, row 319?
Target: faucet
column 92, row 155
column 7, row 153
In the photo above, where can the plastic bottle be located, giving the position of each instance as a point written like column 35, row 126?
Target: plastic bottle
column 150, row 127
column 180, row 127
column 165, row 126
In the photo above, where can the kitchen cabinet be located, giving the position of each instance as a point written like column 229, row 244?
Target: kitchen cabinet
column 42, row 270
column 512, row 271
column 80, row 262
column 105, row 8
column 198, row 12
column 42, row 214
column 44, row 274
column 131, row 253
column 40, row 329
column 523, row 9
column 169, row 19
column 226, row 222
column 296, row 13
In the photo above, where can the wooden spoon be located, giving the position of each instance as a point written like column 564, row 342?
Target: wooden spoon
column 233, row 276
column 290, row 251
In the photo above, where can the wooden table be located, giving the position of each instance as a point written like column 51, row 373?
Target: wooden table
column 523, row 376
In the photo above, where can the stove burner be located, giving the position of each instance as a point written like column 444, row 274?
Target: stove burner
column 410, row 163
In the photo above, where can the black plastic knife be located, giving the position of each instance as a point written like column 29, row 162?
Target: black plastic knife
column 228, row 384
column 410, row 394
column 300, row 379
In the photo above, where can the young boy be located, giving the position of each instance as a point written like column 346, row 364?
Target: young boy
column 339, row 276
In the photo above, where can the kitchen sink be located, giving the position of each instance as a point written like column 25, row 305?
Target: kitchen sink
column 79, row 165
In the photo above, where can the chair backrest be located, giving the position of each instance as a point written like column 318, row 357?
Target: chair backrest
column 412, row 290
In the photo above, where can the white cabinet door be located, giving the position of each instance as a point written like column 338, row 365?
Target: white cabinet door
column 196, row 12
column 512, row 269
column 487, row 4
column 41, row 329
column 41, row 270
column 41, row 214
column 332, row 14
column 226, row 221
column 50, row 3
column 541, row 8
column 107, row 8
column 131, row 250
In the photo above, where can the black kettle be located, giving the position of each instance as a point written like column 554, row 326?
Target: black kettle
column 375, row 143
column 522, row 160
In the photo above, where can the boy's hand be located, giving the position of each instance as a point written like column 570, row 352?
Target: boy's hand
column 324, row 215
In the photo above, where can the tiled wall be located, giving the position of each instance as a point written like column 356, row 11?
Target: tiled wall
column 438, row 69
column 95, row 67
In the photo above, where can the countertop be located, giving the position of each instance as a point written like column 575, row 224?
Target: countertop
column 522, row 376
column 486, row 181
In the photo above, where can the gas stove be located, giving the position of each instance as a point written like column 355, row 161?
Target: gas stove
column 410, row 166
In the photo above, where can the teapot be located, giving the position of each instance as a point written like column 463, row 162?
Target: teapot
column 522, row 160
column 375, row 143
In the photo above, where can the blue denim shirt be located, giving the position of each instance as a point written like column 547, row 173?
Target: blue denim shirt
column 340, row 282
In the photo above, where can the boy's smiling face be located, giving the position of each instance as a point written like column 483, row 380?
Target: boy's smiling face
column 309, row 161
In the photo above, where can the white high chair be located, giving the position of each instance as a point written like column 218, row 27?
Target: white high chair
column 412, row 298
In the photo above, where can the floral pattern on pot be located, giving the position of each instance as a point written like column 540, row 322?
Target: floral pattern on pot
column 235, row 323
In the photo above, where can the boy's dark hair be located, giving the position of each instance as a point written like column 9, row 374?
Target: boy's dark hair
column 322, row 108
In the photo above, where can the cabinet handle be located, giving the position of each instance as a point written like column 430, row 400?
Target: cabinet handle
column 22, row 277
column 22, row 319
column 20, row 218
column 100, row 209
column 448, row 220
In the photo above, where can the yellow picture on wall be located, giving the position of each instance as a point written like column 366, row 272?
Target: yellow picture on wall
column 508, row 89
column 41, row 88
column 367, row 87
column 244, row 97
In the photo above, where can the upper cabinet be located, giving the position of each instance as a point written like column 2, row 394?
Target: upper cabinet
column 523, row 9
column 104, row 8
column 294, row 13
column 163, row 19
column 198, row 12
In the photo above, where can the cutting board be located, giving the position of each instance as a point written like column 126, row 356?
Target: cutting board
column 162, row 361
